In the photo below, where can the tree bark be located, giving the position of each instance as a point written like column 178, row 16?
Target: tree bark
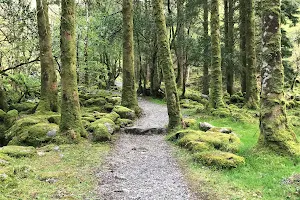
column 129, row 96
column 180, row 42
column 165, row 62
column 243, row 78
column 70, row 125
column 251, row 86
column 206, row 54
column 230, row 48
column 275, row 133
column 216, row 93
column 49, row 97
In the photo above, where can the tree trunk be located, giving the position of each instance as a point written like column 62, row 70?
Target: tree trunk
column 216, row 94
column 155, row 71
column 86, row 45
column 70, row 125
column 243, row 45
column 180, row 42
column 230, row 48
column 129, row 96
column 49, row 97
column 165, row 62
column 251, row 86
column 206, row 54
column 275, row 133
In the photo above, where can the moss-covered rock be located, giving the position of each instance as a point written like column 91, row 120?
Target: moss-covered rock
column 124, row 122
column 109, row 107
column 89, row 118
column 219, row 159
column 99, row 132
column 124, row 112
column 237, row 98
column 2, row 115
column 36, row 135
column 100, row 101
column 18, row 151
column 189, row 122
column 54, row 119
column 27, row 107
column 4, row 159
column 113, row 100
column 112, row 116
column 11, row 117
column 221, row 112
column 220, row 141
column 110, row 125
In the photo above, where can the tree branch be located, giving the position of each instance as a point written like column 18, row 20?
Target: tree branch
column 19, row 65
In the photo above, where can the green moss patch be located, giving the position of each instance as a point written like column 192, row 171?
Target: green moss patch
column 99, row 132
column 219, row 159
column 124, row 112
column 18, row 151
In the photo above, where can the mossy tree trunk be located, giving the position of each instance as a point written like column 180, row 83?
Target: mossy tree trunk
column 129, row 96
column 165, row 62
column 180, row 42
column 3, row 100
column 274, row 130
column 230, row 50
column 251, row 86
column 243, row 59
column 225, row 55
column 49, row 97
column 70, row 125
column 206, row 55
column 86, row 46
column 216, row 93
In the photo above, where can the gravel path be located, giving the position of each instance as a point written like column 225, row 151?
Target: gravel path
column 142, row 166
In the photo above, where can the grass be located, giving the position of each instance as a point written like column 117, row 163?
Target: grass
column 65, row 174
column 156, row 100
column 262, row 177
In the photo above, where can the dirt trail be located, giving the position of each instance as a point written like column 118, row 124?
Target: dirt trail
column 142, row 166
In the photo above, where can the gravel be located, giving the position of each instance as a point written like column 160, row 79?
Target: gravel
column 142, row 166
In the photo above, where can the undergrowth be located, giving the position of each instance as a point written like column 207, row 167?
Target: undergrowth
column 264, row 176
column 64, row 172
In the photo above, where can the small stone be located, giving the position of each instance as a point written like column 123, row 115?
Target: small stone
column 52, row 133
column 204, row 126
column 40, row 153
column 56, row 148
column 225, row 130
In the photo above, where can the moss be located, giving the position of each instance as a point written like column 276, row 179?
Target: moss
column 85, row 123
column 109, row 107
column 4, row 159
column 54, row 119
column 196, row 146
column 189, row 122
column 124, row 112
column 24, row 107
column 18, row 151
column 35, row 135
column 221, row 112
column 11, row 117
column 113, row 100
column 220, row 141
column 99, row 132
column 95, row 102
column 89, row 118
column 219, row 159
column 237, row 98
column 110, row 125
column 112, row 116
column 124, row 122
column 2, row 115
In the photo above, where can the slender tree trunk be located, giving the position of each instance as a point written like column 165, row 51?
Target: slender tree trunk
column 155, row 73
column 225, row 58
column 251, row 87
column 243, row 45
column 129, row 96
column 274, row 130
column 180, row 42
column 49, row 97
column 230, row 49
column 165, row 62
column 86, row 46
column 70, row 125
column 216, row 93
column 206, row 54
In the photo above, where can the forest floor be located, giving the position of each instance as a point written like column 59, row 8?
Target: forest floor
column 142, row 166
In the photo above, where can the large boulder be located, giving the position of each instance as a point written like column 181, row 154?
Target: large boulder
column 99, row 132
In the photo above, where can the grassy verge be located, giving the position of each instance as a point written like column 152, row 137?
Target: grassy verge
column 64, row 173
column 264, row 176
